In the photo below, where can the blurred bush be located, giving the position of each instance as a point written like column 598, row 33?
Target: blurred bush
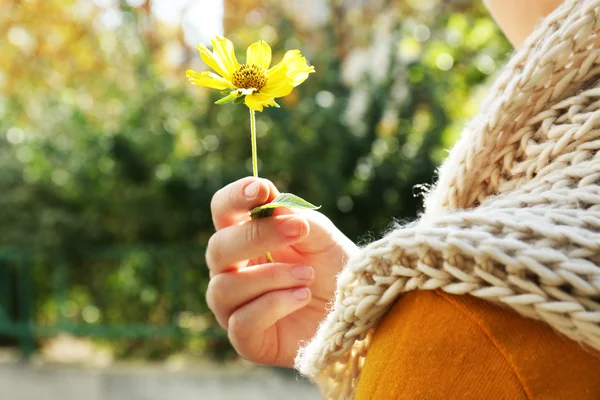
column 109, row 158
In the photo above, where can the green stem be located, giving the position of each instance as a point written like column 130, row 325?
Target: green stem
column 253, row 134
column 255, row 158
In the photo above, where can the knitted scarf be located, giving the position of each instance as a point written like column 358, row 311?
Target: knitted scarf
column 514, row 218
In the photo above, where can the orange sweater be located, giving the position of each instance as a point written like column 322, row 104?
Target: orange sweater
column 433, row 345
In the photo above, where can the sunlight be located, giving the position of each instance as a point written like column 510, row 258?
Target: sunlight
column 200, row 19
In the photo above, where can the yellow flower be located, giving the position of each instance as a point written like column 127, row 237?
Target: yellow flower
column 259, row 84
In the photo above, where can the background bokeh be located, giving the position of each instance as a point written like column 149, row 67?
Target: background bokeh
column 109, row 157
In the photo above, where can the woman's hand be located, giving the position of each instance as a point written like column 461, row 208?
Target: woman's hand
column 268, row 308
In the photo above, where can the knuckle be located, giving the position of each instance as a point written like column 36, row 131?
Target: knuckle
column 214, row 293
column 213, row 252
column 236, row 334
column 233, row 195
column 217, row 300
column 210, row 297
column 253, row 233
column 214, row 201
column 274, row 276
column 235, row 326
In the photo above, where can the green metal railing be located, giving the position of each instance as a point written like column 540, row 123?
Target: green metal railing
column 16, row 317
column 170, row 274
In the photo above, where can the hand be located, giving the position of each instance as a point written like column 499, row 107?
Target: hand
column 268, row 308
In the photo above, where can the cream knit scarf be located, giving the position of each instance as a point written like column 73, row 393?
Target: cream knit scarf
column 514, row 219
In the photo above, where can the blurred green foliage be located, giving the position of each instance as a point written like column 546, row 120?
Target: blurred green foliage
column 109, row 158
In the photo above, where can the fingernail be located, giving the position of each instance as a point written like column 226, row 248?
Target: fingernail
column 291, row 227
column 303, row 273
column 251, row 190
column 301, row 294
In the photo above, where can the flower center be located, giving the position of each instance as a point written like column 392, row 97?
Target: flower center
column 249, row 77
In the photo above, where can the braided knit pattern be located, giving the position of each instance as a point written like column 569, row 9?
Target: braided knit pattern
column 514, row 218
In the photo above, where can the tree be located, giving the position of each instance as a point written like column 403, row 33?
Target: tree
column 109, row 157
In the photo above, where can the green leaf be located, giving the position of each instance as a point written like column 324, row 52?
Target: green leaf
column 286, row 200
column 226, row 99
column 239, row 99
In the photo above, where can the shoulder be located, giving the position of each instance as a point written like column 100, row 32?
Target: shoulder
column 435, row 345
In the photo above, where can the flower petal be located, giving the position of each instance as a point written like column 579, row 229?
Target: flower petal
column 259, row 53
column 278, row 88
column 286, row 75
column 224, row 54
column 257, row 101
column 293, row 66
column 279, row 71
column 298, row 71
column 209, row 59
column 208, row 79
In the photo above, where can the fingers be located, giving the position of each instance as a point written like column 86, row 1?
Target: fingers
column 248, row 240
column 229, row 291
column 323, row 233
column 232, row 203
column 249, row 322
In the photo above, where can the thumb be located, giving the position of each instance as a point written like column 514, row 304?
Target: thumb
column 323, row 234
